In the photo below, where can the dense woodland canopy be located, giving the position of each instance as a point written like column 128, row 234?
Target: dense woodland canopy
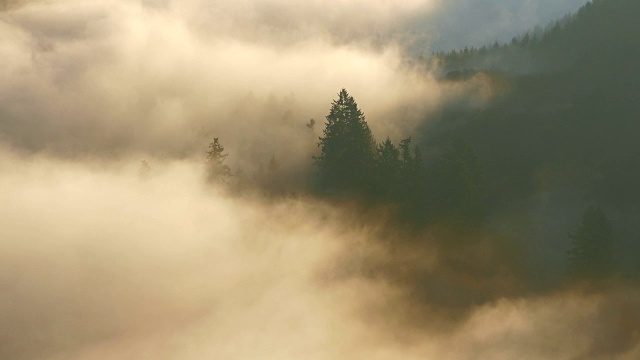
column 351, row 164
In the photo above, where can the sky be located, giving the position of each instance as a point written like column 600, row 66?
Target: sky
column 460, row 23
column 99, row 260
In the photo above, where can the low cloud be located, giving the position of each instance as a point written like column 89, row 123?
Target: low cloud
column 90, row 77
column 99, row 263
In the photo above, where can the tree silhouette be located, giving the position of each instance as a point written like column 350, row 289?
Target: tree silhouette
column 411, row 164
column 217, row 169
column 388, row 167
column 413, row 190
column 591, row 252
column 347, row 155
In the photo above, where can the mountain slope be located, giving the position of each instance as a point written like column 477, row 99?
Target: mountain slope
column 565, row 133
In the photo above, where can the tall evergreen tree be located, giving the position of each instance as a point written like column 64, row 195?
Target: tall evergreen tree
column 591, row 252
column 347, row 149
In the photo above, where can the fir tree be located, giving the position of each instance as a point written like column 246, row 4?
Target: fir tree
column 388, row 167
column 217, row 169
column 347, row 149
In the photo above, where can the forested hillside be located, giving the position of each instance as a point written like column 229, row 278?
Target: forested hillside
column 600, row 26
column 533, row 186
column 562, row 133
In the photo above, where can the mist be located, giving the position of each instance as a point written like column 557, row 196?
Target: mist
column 102, row 256
column 109, row 79
column 99, row 263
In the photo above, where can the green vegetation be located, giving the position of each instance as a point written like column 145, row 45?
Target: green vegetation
column 347, row 149
column 448, row 189
column 600, row 25
column 558, row 135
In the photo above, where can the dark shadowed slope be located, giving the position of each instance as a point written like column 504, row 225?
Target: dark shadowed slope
column 562, row 134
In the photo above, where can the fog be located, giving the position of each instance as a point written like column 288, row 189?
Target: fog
column 98, row 263
column 99, row 260
column 96, row 78
column 110, row 78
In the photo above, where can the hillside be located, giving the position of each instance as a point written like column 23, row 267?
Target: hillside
column 599, row 26
column 564, row 133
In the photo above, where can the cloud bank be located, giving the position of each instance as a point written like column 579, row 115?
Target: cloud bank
column 98, row 263
column 160, row 77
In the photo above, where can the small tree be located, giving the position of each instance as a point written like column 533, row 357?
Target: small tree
column 591, row 252
column 217, row 169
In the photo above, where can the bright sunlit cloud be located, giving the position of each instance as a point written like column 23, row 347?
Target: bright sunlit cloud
column 118, row 76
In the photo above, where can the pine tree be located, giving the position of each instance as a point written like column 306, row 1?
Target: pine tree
column 217, row 169
column 591, row 252
column 412, row 194
column 412, row 167
column 388, row 167
column 347, row 156
column 408, row 159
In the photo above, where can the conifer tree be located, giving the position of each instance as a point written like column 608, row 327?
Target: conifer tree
column 412, row 193
column 388, row 169
column 347, row 149
column 408, row 160
column 217, row 169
